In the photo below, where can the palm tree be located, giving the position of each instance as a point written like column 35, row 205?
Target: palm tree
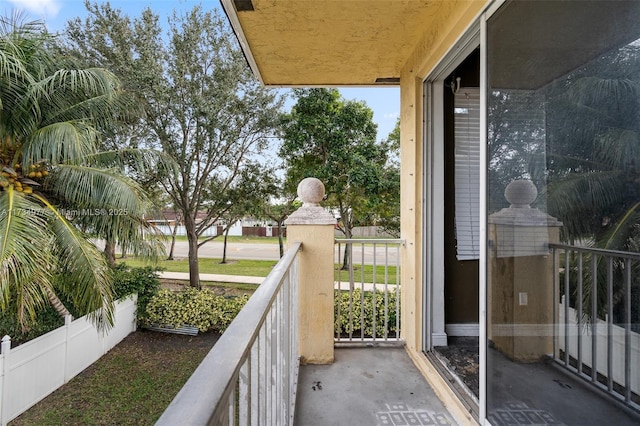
column 594, row 164
column 55, row 182
column 594, row 159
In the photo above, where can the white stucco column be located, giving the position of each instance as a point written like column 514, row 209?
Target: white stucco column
column 314, row 227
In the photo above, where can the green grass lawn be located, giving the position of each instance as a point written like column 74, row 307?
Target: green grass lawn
column 131, row 385
column 368, row 274
column 260, row 268
column 250, row 268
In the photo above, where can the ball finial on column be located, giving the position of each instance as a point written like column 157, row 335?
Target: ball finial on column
column 521, row 193
column 311, row 191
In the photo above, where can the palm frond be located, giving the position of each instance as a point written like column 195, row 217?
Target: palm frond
column 602, row 91
column 618, row 148
column 140, row 160
column 89, row 282
column 62, row 142
column 580, row 194
column 24, row 253
column 617, row 237
column 97, row 188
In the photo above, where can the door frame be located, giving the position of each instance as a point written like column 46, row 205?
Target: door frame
column 434, row 189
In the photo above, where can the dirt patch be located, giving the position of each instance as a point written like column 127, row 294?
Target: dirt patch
column 152, row 343
column 462, row 357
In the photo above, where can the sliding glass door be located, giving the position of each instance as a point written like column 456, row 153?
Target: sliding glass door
column 563, row 213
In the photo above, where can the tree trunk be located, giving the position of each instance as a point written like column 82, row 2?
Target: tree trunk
column 192, row 237
column 348, row 248
column 57, row 303
column 224, row 246
column 173, row 241
column 280, row 240
column 110, row 253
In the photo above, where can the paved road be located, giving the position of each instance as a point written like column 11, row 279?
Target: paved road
column 257, row 251
column 262, row 251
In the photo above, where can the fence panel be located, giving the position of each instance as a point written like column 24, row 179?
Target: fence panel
column 33, row 370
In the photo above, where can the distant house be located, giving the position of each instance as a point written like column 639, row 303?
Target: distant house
column 167, row 220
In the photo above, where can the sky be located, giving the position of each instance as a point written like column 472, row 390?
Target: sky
column 384, row 101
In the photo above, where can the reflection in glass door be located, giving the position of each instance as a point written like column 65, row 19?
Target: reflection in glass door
column 563, row 213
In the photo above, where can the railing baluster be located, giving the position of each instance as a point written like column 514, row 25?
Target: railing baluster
column 264, row 402
column 339, row 292
column 556, row 304
column 397, row 334
column 232, row 406
column 627, row 332
column 293, row 281
column 386, row 292
column 254, row 361
column 362, row 291
column 286, row 349
column 244, row 394
column 373, row 299
column 269, row 370
column 567, row 302
column 279, row 359
column 594, row 318
column 609, row 323
column 351, row 289
column 579, row 317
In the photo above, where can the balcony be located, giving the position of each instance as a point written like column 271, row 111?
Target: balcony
column 316, row 346
column 276, row 363
column 253, row 374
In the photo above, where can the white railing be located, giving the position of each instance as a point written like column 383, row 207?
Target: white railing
column 595, row 336
column 33, row 370
column 367, row 299
column 250, row 376
column 584, row 337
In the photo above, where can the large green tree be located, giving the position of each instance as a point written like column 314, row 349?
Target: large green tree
column 54, row 179
column 334, row 140
column 203, row 107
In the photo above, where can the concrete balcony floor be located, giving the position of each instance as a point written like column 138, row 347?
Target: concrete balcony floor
column 534, row 394
column 542, row 393
column 367, row 386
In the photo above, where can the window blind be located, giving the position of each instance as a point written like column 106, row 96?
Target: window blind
column 467, row 172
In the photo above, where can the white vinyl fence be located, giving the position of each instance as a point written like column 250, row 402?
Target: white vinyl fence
column 35, row 369
column 618, row 349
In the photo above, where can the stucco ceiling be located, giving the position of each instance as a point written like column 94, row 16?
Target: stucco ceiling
column 344, row 42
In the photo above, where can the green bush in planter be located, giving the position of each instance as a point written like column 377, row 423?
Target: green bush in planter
column 346, row 322
column 196, row 308
column 143, row 281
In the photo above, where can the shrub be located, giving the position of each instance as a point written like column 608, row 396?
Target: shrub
column 343, row 324
column 47, row 319
column 143, row 281
column 196, row 308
